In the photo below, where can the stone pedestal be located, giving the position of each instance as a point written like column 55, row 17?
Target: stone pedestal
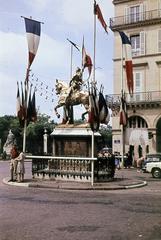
column 74, row 140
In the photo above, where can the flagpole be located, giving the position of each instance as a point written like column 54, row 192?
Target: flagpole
column 26, row 98
column 94, row 46
column 93, row 83
column 32, row 19
column 71, row 61
column 32, row 45
column 122, row 126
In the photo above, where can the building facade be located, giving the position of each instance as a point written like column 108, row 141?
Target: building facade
column 140, row 20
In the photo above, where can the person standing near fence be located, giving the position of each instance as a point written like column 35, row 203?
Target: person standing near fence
column 20, row 167
column 13, row 164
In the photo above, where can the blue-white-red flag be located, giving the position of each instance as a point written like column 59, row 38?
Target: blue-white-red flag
column 128, row 61
column 33, row 30
column 123, row 112
column 104, row 116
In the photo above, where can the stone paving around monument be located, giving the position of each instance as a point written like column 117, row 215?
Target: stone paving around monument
column 124, row 179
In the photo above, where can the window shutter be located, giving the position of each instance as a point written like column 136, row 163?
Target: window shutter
column 142, row 43
column 159, row 8
column 127, row 15
column 137, row 81
column 159, row 40
column 141, row 12
column 138, row 85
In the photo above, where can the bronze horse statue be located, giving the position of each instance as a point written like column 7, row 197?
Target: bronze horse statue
column 67, row 100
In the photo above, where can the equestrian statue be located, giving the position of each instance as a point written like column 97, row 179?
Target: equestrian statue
column 71, row 95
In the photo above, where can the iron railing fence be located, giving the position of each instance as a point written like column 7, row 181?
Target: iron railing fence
column 72, row 168
column 138, row 97
column 135, row 18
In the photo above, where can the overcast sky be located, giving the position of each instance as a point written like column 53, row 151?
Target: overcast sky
column 62, row 19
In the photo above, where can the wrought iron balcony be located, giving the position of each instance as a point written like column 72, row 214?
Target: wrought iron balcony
column 138, row 19
column 142, row 99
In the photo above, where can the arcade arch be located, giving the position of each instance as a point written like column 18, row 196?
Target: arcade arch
column 137, row 137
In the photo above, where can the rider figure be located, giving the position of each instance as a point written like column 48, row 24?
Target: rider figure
column 75, row 82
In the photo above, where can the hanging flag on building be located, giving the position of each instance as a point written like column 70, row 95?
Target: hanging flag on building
column 86, row 60
column 97, row 11
column 128, row 61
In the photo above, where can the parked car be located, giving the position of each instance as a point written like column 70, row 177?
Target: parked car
column 153, row 165
column 156, row 157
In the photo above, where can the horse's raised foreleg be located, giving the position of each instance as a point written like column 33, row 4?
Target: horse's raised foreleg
column 83, row 115
column 87, row 111
column 56, row 112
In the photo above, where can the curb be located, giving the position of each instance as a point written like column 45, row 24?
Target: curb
column 60, row 187
column 22, row 184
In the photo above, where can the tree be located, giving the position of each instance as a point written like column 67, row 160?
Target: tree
column 35, row 131
column 6, row 123
column 106, row 133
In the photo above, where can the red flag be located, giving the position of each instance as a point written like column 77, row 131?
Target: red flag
column 128, row 61
column 86, row 60
column 97, row 11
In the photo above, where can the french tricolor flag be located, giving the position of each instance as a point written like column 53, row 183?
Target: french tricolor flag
column 128, row 61
column 33, row 30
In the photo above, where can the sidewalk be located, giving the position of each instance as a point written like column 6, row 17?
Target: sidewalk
column 124, row 179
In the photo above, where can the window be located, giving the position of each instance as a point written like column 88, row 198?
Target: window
column 138, row 44
column 138, row 87
column 134, row 13
column 135, row 45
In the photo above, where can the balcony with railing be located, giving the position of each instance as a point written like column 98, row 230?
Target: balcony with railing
column 135, row 20
column 139, row 99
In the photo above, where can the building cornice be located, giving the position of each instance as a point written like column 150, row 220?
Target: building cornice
column 115, row 2
column 136, row 25
column 144, row 64
column 142, row 56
